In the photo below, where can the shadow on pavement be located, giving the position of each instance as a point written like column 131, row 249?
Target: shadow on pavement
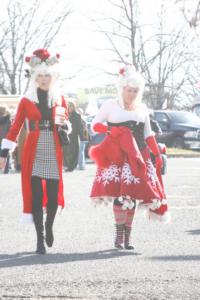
column 30, row 258
column 194, row 232
column 176, row 258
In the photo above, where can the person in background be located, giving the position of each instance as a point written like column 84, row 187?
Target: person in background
column 154, row 124
column 5, row 122
column 71, row 151
column 84, row 138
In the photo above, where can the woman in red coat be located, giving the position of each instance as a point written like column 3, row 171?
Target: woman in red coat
column 45, row 113
column 125, row 171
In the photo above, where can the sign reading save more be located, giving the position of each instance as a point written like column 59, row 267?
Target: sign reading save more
column 11, row 101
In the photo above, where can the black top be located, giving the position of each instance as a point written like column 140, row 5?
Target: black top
column 137, row 130
column 75, row 120
column 44, row 106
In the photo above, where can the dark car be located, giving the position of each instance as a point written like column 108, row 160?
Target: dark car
column 180, row 129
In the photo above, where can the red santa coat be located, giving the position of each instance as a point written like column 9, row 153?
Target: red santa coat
column 27, row 110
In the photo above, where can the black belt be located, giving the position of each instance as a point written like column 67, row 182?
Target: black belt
column 137, row 130
column 41, row 125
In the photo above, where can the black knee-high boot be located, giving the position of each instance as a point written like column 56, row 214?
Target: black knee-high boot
column 38, row 221
column 119, row 236
column 127, row 238
column 51, row 213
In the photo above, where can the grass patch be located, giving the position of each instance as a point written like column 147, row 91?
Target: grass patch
column 182, row 151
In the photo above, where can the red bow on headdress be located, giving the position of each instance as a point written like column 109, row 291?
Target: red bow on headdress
column 122, row 71
column 43, row 54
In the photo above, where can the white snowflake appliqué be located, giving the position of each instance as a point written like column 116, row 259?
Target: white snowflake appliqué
column 151, row 172
column 127, row 175
column 108, row 174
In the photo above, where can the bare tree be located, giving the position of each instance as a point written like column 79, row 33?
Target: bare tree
column 163, row 57
column 23, row 29
column 167, row 69
column 191, row 11
column 123, row 33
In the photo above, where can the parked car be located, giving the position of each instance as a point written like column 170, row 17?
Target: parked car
column 196, row 107
column 180, row 129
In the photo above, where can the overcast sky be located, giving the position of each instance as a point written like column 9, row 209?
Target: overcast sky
column 83, row 40
column 79, row 42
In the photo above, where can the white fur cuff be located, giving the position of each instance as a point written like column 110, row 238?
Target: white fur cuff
column 69, row 125
column 26, row 218
column 60, row 210
column 8, row 144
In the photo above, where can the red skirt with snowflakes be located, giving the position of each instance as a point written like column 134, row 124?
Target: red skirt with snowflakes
column 119, row 180
column 131, row 175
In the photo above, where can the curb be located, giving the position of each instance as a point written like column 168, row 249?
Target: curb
column 183, row 155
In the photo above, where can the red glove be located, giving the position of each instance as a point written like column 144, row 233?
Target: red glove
column 100, row 128
column 151, row 142
column 159, row 162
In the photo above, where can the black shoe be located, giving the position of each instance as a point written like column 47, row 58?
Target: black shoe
column 129, row 247
column 49, row 238
column 51, row 213
column 119, row 235
column 38, row 221
column 127, row 238
column 41, row 248
column 118, row 246
column 69, row 170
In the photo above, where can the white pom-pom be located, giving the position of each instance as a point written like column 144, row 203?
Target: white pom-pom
column 156, row 203
column 34, row 61
column 125, row 205
column 69, row 126
column 131, row 205
column 52, row 60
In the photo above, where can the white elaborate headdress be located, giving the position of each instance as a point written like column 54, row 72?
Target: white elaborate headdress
column 128, row 76
column 41, row 62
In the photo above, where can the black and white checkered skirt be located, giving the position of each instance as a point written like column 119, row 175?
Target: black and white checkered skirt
column 45, row 164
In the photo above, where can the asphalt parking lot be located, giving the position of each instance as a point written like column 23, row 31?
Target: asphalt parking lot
column 83, row 263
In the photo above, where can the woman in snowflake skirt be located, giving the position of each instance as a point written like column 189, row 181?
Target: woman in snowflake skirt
column 45, row 113
column 125, row 172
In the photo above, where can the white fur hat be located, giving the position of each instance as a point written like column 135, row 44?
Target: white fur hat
column 128, row 76
column 41, row 62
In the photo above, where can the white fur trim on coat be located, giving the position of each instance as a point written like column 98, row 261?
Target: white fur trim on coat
column 60, row 210
column 69, row 125
column 8, row 144
column 26, row 218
